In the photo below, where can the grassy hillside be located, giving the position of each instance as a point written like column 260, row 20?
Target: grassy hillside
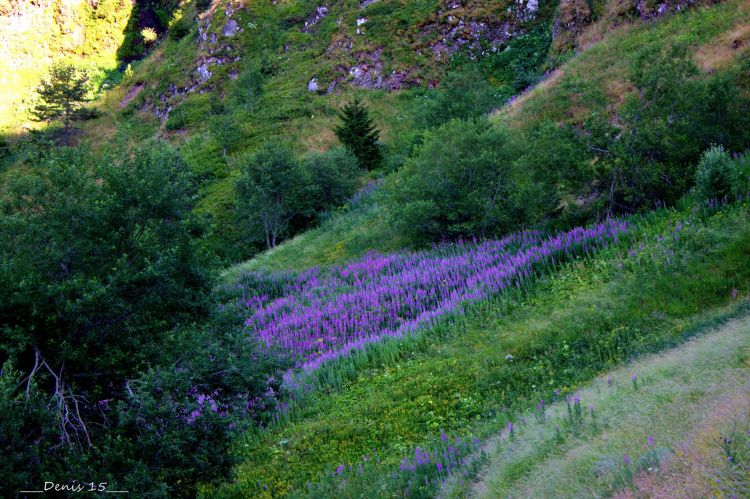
column 595, row 83
column 473, row 375
column 680, row 428
column 558, row 189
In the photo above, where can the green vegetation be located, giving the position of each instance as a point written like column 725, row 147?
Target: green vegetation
column 476, row 373
column 619, row 132
column 103, row 363
column 277, row 194
column 62, row 92
column 304, row 136
column 358, row 133
column 688, row 432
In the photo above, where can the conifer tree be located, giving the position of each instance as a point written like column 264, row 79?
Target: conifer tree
column 61, row 93
column 358, row 132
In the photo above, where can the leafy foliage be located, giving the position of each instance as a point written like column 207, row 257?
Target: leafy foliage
column 100, row 287
column 715, row 177
column 271, row 194
column 457, row 185
column 279, row 195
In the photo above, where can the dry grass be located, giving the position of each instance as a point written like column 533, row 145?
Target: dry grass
column 516, row 104
column 698, row 463
column 724, row 49
column 131, row 94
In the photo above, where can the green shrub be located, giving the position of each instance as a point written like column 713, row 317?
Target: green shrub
column 715, row 177
column 457, row 185
column 180, row 25
column 272, row 195
column 192, row 111
column 462, row 94
column 113, row 368
column 333, row 175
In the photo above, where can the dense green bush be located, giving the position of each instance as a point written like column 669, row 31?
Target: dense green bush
column 715, row 177
column 180, row 25
column 334, row 176
column 457, row 184
column 106, row 374
column 462, row 94
column 271, row 194
column 278, row 195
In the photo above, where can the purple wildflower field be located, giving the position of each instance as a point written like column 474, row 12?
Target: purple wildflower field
column 319, row 315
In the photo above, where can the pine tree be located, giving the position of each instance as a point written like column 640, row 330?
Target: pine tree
column 358, row 132
column 61, row 93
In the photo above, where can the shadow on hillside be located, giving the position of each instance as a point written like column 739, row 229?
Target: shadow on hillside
column 146, row 14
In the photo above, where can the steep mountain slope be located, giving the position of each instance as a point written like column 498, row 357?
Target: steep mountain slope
column 225, row 77
column 591, row 89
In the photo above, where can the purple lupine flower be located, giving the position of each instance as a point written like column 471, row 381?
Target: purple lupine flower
column 626, row 460
column 340, row 469
column 321, row 315
column 650, row 441
column 443, row 436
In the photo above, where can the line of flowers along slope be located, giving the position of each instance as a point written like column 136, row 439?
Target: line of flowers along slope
column 321, row 315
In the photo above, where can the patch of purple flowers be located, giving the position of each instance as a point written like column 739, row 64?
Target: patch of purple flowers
column 319, row 315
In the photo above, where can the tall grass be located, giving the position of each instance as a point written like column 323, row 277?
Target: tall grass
column 479, row 370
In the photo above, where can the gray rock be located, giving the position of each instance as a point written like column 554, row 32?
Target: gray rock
column 203, row 72
column 315, row 18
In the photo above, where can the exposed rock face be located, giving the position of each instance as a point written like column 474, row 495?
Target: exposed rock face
column 460, row 33
column 648, row 10
column 573, row 16
column 369, row 73
column 315, row 18
column 203, row 72
column 455, row 29
column 212, row 52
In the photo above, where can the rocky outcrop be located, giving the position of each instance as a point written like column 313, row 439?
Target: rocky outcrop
column 318, row 14
column 457, row 27
column 573, row 16
column 214, row 50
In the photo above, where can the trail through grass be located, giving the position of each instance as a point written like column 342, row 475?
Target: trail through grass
column 670, row 424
